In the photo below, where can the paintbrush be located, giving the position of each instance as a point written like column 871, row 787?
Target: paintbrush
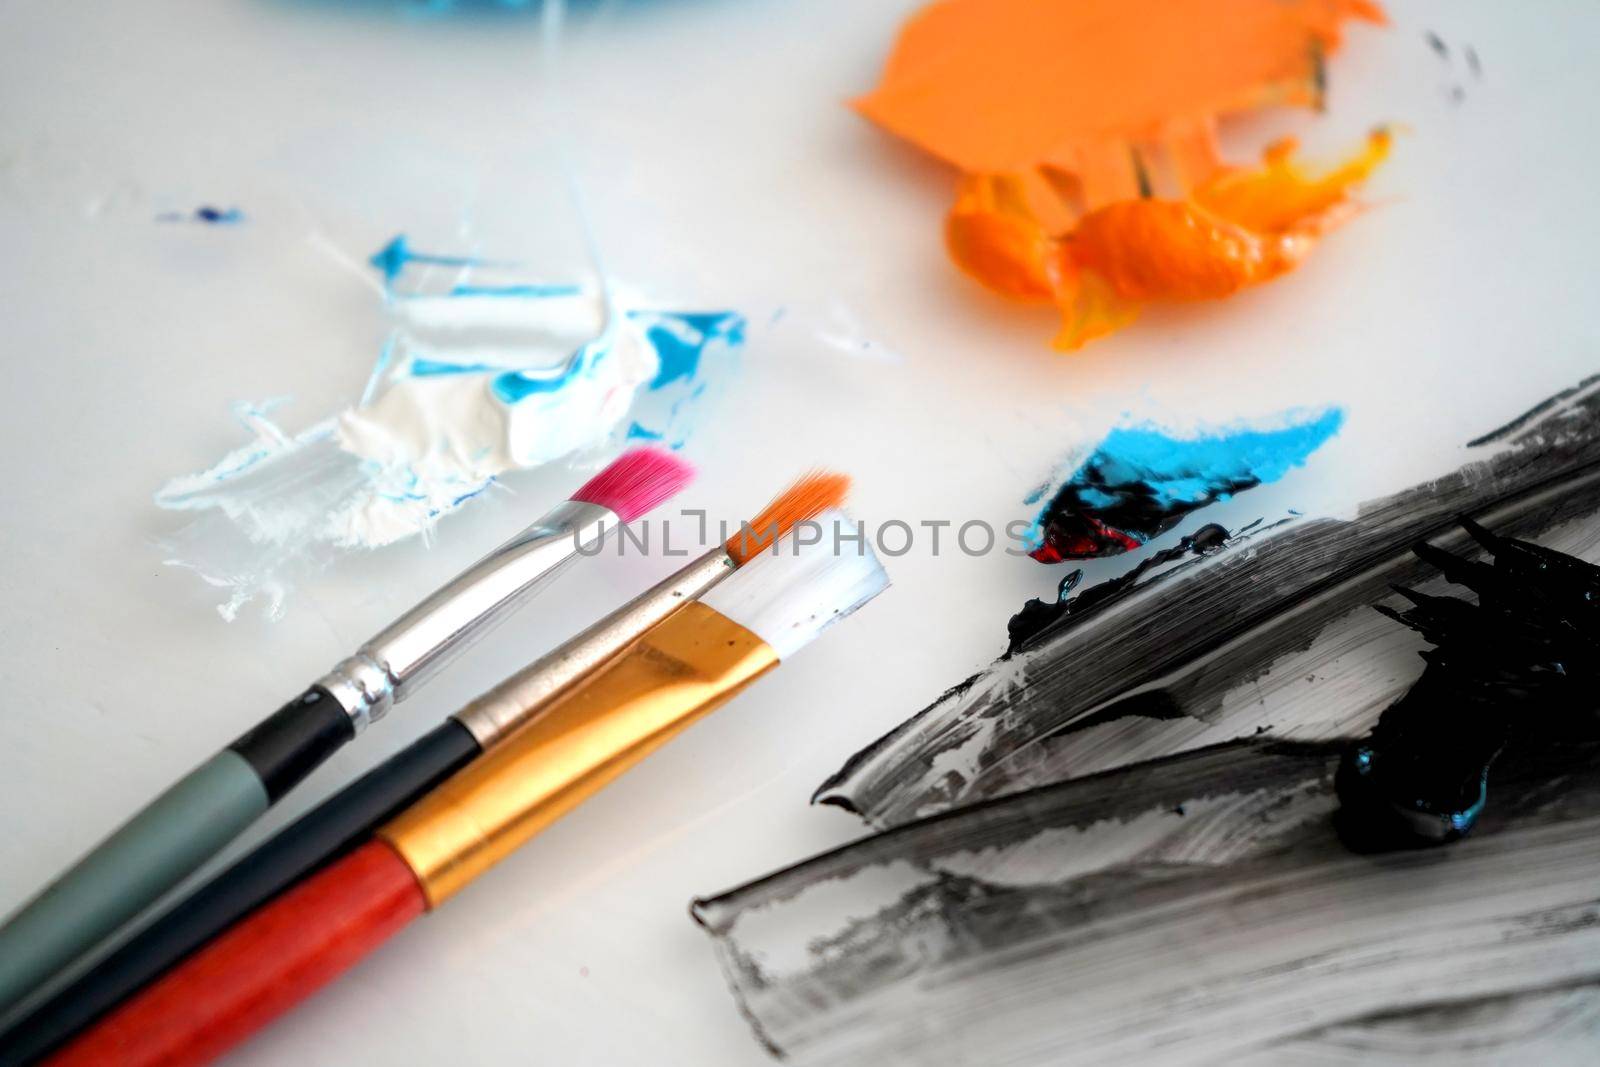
column 193, row 820
column 350, row 816
column 680, row 670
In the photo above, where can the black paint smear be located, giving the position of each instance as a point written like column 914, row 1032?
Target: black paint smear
column 1208, row 632
column 1436, row 43
column 1037, row 616
column 1519, row 667
column 1140, row 913
column 1065, row 899
column 1473, row 63
column 1077, row 524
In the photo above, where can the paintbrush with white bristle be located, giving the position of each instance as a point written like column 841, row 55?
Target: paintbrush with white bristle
column 192, row 821
column 679, row 671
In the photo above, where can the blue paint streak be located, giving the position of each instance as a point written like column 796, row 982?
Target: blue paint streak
column 534, row 291
column 385, row 359
column 437, row 368
column 637, row 432
column 445, row 7
column 393, row 257
column 211, row 216
column 514, row 386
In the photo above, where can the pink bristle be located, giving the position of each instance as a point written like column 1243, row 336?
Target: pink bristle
column 636, row 482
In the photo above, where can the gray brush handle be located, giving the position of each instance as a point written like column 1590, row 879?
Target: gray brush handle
column 151, row 853
column 167, row 841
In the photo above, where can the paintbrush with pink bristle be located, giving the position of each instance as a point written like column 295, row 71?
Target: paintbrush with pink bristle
column 192, row 821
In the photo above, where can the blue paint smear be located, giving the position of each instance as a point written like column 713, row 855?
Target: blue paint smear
column 698, row 351
column 517, row 385
column 438, row 368
column 682, row 348
column 693, row 348
column 393, row 258
column 211, row 216
column 445, row 7
column 1187, row 471
column 539, row 292
column 1141, row 481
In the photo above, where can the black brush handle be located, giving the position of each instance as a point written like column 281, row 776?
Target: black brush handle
column 294, row 741
column 325, row 833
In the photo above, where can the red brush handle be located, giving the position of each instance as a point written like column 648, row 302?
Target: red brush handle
column 260, row 968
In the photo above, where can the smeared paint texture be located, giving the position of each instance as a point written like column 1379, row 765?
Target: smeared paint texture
column 1086, row 138
column 1196, row 908
column 1272, row 633
column 1141, row 481
column 484, row 372
column 1520, row 667
column 1095, row 850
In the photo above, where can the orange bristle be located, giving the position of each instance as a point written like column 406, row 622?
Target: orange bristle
column 810, row 495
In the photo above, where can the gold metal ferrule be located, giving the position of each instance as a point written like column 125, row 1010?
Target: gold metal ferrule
column 679, row 671
column 494, row 715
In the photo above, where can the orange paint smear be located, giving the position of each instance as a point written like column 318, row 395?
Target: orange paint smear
column 1087, row 133
column 1004, row 85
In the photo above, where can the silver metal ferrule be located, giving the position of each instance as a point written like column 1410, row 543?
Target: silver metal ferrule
column 516, row 700
column 425, row 639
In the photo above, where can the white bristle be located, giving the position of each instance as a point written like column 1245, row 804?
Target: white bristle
column 789, row 595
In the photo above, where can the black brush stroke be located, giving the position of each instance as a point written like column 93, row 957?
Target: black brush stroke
column 874, row 976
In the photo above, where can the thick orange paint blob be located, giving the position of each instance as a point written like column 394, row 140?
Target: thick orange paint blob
column 1086, row 131
column 1241, row 228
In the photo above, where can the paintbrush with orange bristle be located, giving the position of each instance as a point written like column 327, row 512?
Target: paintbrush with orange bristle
column 349, row 817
